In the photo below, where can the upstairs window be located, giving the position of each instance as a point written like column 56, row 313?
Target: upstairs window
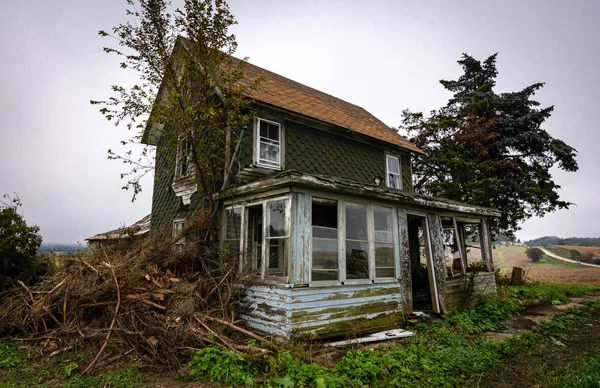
column 268, row 144
column 183, row 166
column 393, row 172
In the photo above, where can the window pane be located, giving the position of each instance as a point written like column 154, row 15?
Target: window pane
column 233, row 222
column 268, row 130
column 325, row 254
column 393, row 181
column 277, row 257
column 357, row 260
column 356, row 222
column 320, row 232
column 269, row 153
column 384, row 255
column 276, row 211
column 382, row 219
column 232, row 232
column 254, row 238
column 324, row 275
column 393, row 165
column 385, row 273
column 324, row 215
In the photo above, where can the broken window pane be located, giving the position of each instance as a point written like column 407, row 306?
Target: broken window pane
column 324, row 242
column 254, row 240
column 277, row 257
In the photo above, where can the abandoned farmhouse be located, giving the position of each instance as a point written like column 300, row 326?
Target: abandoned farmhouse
column 320, row 208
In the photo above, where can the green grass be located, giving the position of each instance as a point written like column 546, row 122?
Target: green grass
column 547, row 260
column 500, row 257
column 19, row 370
column 444, row 353
column 581, row 373
column 547, row 292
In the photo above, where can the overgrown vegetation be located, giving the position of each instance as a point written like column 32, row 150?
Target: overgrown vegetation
column 444, row 353
column 153, row 301
column 21, row 368
column 19, row 243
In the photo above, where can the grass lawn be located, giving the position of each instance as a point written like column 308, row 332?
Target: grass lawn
column 447, row 352
column 547, row 260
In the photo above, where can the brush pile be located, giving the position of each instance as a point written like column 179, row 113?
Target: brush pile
column 154, row 300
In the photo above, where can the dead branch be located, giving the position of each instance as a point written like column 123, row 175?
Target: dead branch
column 112, row 324
column 226, row 343
column 26, row 289
column 234, row 327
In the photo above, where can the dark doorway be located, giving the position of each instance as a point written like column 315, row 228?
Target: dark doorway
column 424, row 291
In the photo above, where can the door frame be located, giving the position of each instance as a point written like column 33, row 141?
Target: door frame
column 435, row 302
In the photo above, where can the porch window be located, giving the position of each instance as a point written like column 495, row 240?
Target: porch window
column 393, row 172
column 325, row 241
column 357, row 242
column 366, row 234
column 254, row 239
column 233, row 224
column 263, row 228
column 268, row 144
column 384, row 243
column 277, row 238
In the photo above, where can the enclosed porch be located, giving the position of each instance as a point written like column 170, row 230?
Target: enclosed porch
column 326, row 258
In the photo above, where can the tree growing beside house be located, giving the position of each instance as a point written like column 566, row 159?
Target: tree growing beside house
column 190, row 91
column 489, row 148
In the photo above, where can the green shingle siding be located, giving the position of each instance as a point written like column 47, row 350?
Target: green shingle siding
column 166, row 206
column 317, row 152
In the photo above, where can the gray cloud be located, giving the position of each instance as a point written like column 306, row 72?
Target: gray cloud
column 386, row 56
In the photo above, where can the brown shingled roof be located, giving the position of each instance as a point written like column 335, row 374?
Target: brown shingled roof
column 293, row 96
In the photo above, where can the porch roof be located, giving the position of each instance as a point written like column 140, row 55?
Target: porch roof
column 339, row 185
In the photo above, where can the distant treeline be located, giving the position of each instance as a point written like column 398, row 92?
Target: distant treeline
column 63, row 248
column 553, row 240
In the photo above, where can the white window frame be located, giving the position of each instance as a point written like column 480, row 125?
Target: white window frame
column 388, row 172
column 342, row 280
column 339, row 208
column 279, row 143
column 265, row 238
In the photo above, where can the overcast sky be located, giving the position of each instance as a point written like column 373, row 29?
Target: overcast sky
column 383, row 56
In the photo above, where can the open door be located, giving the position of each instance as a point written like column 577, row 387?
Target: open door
column 425, row 295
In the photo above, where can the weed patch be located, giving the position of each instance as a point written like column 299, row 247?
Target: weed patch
column 549, row 292
column 10, row 356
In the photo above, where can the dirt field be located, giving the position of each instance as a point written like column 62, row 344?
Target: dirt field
column 547, row 271
column 594, row 250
